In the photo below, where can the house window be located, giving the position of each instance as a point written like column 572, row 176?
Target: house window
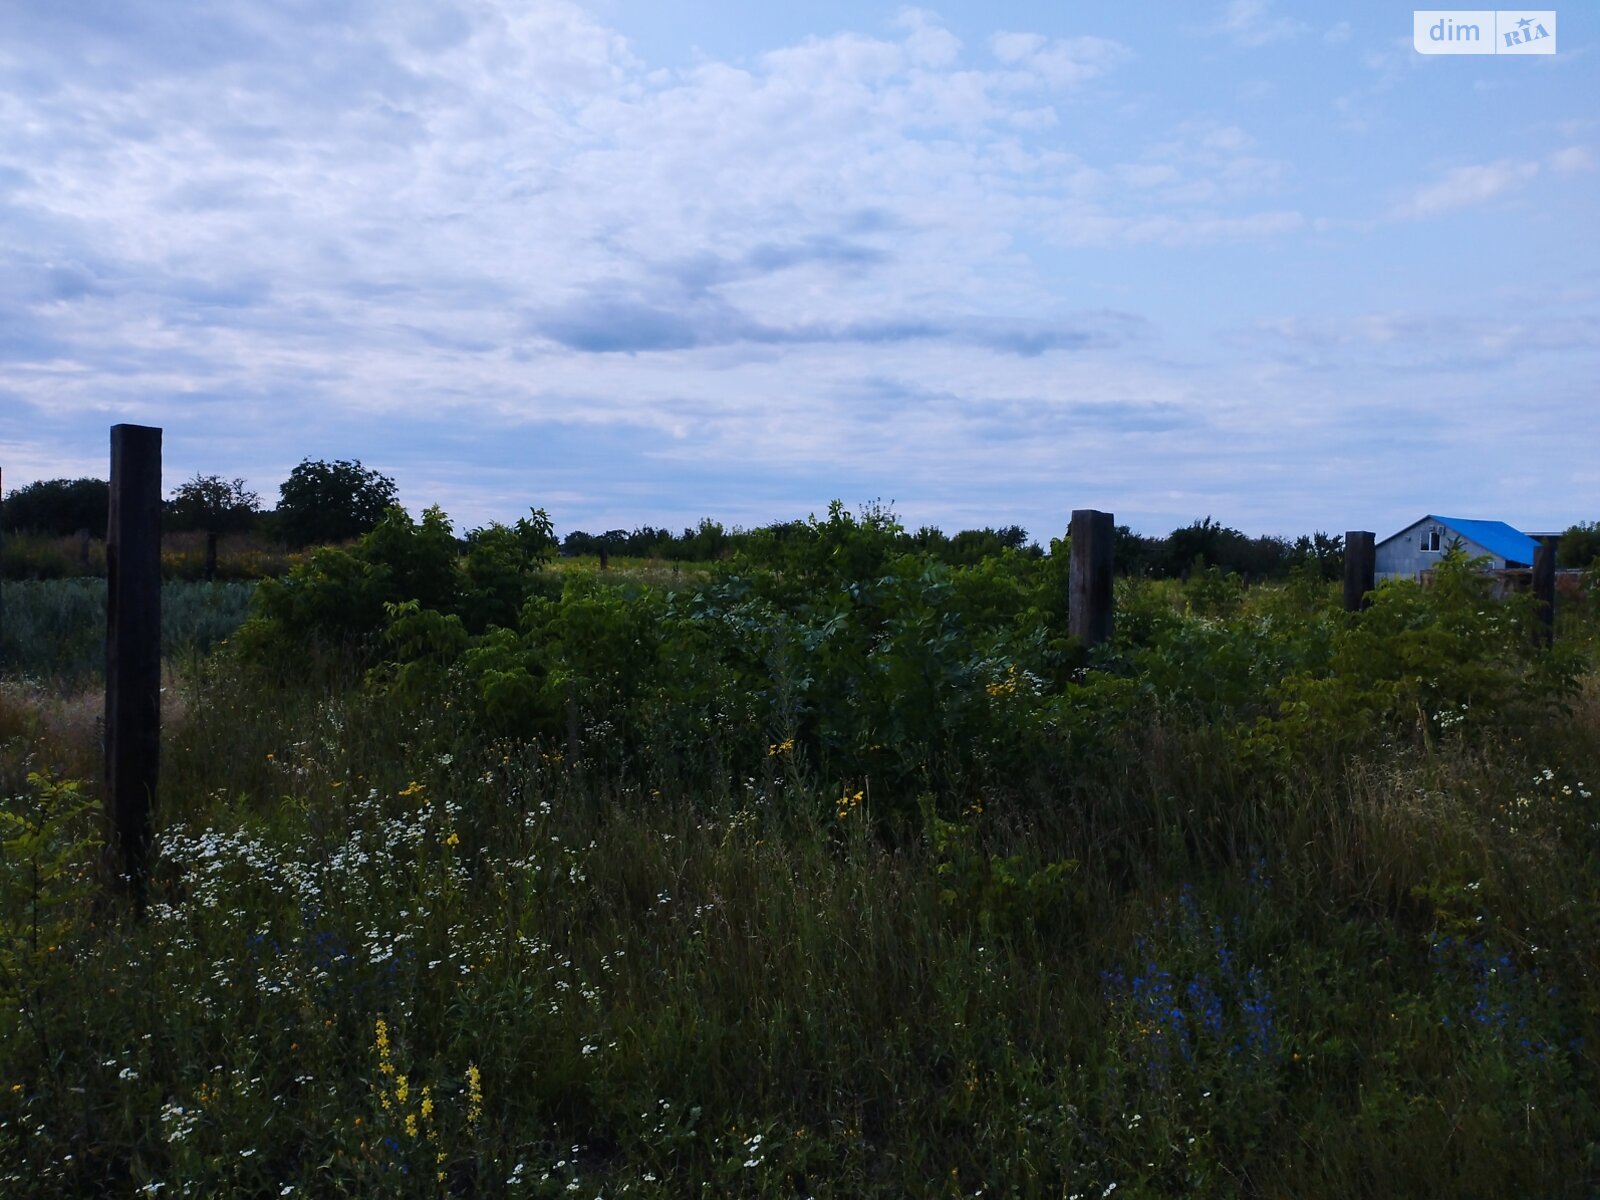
column 1430, row 540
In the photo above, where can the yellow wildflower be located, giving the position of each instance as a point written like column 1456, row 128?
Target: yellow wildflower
column 385, row 1063
column 411, row 1124
column 452, row 840
column 474, row 1095
column 1005, row 686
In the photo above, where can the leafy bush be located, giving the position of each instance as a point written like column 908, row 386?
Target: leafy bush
column 1423, row 663
column 337, row 597
column 1579, row 545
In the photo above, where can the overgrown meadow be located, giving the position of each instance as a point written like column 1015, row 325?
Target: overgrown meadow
column 826, row 871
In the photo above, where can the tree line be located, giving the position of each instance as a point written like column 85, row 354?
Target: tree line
column 324, row 502
column 320, row 502
column 710, row 540
column 1201, row 545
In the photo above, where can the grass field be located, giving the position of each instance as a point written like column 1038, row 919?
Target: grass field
column 55, row 629
column 750, row 888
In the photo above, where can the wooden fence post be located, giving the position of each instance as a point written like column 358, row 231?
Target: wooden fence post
column 1089, row 602
column 1360, row 569
column 133, row 649
column 1544, row 588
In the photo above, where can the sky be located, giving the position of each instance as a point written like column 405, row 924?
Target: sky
column 642, row 262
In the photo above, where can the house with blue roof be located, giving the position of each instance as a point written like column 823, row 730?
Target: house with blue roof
column 1419, row 546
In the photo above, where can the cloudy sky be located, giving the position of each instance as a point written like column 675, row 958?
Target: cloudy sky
column 643, row 261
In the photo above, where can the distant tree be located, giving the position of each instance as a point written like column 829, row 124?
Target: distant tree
column 649, row 541
column 1205, row 543
column 214, row 505
column 580, row 542
column 1264, row 557
column 1579, row 546
column 644, row 542
column 332, row 502
column 58, row 507
column 709, row 541
column 1135, row 554
column 971, row 546
column 1321, row 552
column 932, row 540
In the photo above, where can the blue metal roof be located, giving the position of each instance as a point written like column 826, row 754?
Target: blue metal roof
column 1496, row 537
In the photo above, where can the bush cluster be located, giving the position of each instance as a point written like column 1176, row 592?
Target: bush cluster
column 871, row 662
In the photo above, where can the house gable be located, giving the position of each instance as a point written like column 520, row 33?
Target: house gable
column 1419, row 546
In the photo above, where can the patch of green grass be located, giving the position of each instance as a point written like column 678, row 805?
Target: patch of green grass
column 55, row 628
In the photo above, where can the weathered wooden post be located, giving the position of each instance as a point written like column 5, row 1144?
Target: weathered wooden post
column 133, row 649
column 2, row 556
column 1544, row 588
column 1360, row 569
column 1089, row 604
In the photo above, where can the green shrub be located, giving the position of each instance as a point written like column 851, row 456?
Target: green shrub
column 337, row 598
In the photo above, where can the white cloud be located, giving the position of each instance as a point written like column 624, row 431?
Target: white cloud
column 1061, row 62
column 1203, row 163
column 1572, row 159
column 928, row 42
column 1251, row 23
column 1448, row 343
column 1462, row 187
column 1090, row 229
column 475, row 238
